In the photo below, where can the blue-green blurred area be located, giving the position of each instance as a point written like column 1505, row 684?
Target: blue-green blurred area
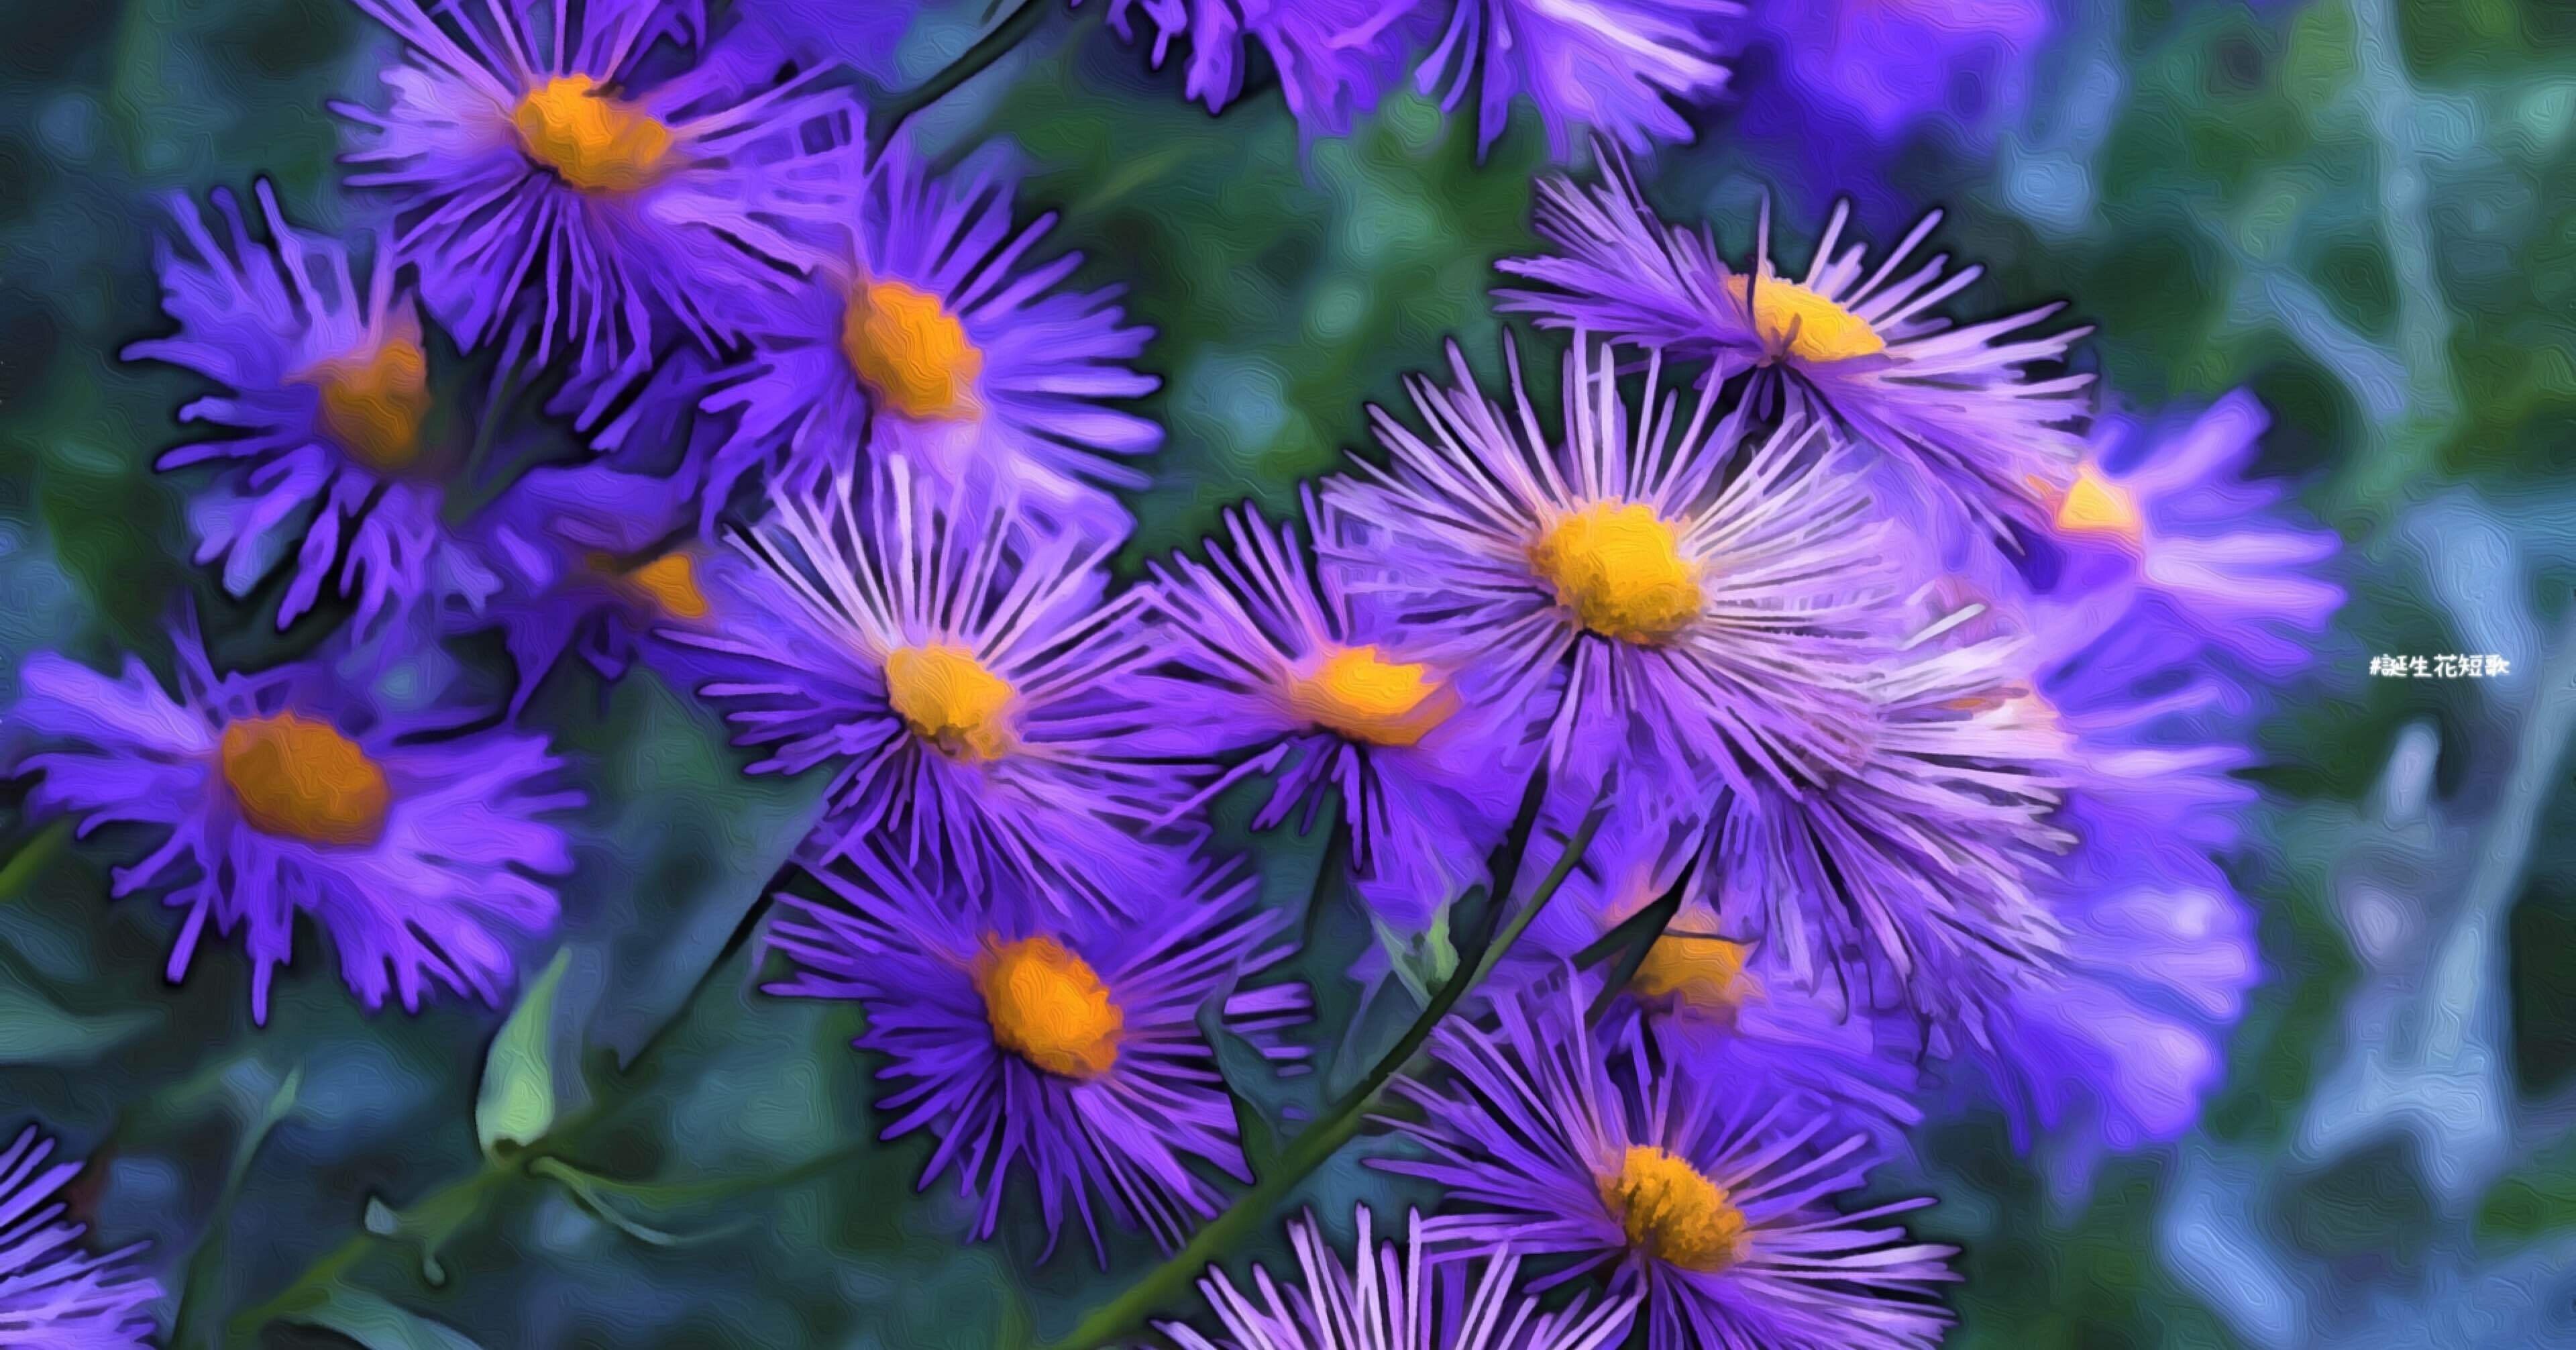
column 2365, row 211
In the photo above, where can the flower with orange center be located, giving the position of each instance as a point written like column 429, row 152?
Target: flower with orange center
column 1357, row 694
column 1048, row 1006
column 951, row 700
column 1798, row 322
column 591, row 140
column 1672, row 1213
column 1619, row 567
column 299, row 778
column 371, row 405
column 911, row 352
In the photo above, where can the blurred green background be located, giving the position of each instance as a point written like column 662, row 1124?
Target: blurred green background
column 2366, row 212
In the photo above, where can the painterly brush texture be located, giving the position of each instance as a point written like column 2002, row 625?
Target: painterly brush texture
column 1279, row 674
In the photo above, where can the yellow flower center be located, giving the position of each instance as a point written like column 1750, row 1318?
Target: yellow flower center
column 1803, row 324
column 911, row 353
column 372, row 405
column 2096, row 505
column 1048, row 1006
column 592, row 141
column 303, row 780
column 949, row 699
column 1702, row 974
column 1360, row 695
column 1620, row 568
column 1672, row 1213
column 669, row 583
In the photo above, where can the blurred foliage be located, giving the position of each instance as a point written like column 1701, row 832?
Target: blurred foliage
column 2364, row 210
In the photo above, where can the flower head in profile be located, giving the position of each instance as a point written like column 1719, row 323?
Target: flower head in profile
column 53, row 1294
column 1858, row 345
column 1711, row 1198
column 1283, row 667
column 297, row 793
column 325, row 402
column 556, row 198
column 1616, row 66
column 959, row 672
column 1678, row 596
column 1031, row 1036
column 1333, row 57
column 928, row 334
column 1397, row 1298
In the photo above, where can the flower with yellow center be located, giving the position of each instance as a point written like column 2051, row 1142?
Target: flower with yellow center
column 1704, row 975
column 1048, row 1006
column 1672, row 1213
column 1358, row 694
column 592, row 141
column 949, row 699
column 669, row 583
column 2096, row 505
column 910, row 352
column 1620, row 568
column 1798, row 322
column 371, row 405
column 299, row 778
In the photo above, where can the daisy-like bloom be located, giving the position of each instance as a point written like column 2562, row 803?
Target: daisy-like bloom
column 581, row 559
column 1396, row 1298
column 1030, row 1036
column 1677, row 596
column 1617, row 66
column 1862, row 346
column 554, row 199
column 1333, row 56
column 1882, row 67
column 928, row 335
column 2173, row 516
column 326, row 397
column 293, row 792
column 1713, row 1198
column 975, row 697
column 1283, row 665
column 53, row 1294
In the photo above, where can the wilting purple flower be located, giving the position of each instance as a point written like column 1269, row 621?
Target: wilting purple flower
column 1714, row 1197
column 1617, row 66
column 1028, row 1034
column 326, row 390
column 1282, row 665
column 551, row 196
column 2174, row 517
column 1678, row 597
column 1397, row 1298
column 974, row 695
column 292, row 792
column 581, row 559
column 53, row 1295
column 1878, row 68
column 1333, row 56
column 926, row 335
column 1860, row 346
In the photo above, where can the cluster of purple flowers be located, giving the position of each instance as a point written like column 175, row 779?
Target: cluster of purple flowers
column 1913, row 703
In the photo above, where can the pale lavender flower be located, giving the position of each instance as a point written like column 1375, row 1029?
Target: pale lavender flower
column 1616, row 66
column 1334, row 57
column 53, row 1294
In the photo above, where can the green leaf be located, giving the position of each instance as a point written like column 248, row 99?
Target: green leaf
column 34, row 1031
column 517, row 1101
column 1248, row 1080
column 376, row 1324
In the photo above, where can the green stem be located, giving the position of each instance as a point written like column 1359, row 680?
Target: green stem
column 1022, row 19
column 29, row 862
column 1316, row 1145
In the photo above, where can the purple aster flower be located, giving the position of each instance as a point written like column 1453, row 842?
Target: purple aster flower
column 1282, row 665
column 926, row 334
column 1397, row 1298
column 551, row 195
column 865, row 34
column 1029, row 1035
column 1859, row 345
column 1617, row 66
column 53, row 1295
column 1712, row 1197
column 1879, row 68
column 291, row 792
column 326, row 390
column 1333, row 56
column 974, row 695
column 1680, row 597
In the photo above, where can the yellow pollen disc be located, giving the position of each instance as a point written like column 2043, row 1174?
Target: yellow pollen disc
column 1702, row 974
column 1620, row 569
column 911, row 353
column 949, row 699
column 303, row 780
column 669, row 582
column 2096, row 505
column 1672, row 1213
column 372, row 405
column 1824, row 331
column 1360, row 695
column 592, row 141
column 1048, row 1007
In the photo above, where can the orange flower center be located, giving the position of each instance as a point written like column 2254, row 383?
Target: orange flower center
column 592, row 141
column 1358, row 694
column 301, row 779
column 1048, row 1006
column 949, row 699
column 1704, row 975
column 372, row 405
column 1798, row 322
column 910, row 352
column 2096, row 505
column 1672, row 1213
column 1620, row 568
column 669, row 583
